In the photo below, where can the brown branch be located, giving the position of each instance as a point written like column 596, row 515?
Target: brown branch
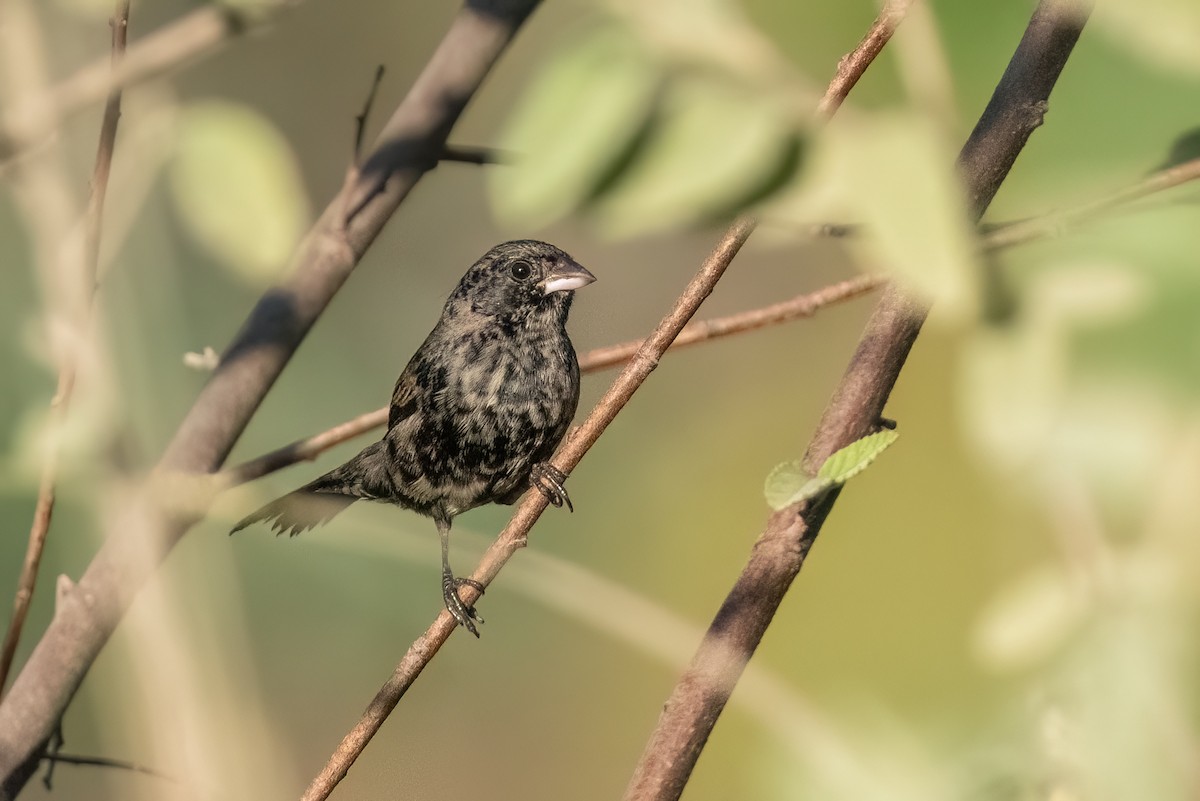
column 87, row 615
column 199, row 33
column 514, row 536
column 596, row 359
column 93, row 218
column 854, row 64
column 777, row 557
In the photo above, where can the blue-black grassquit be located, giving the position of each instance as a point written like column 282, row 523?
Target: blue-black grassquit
column 476, row 413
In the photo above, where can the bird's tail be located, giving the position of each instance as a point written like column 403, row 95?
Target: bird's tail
column 318, row 501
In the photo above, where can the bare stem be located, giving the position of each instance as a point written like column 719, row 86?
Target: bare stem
column 795, row 308
column 93, row 219
column 1034, row 228
column 854, row 64
column 513, row 538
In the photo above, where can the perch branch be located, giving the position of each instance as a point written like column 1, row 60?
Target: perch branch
column 515, row 533
column 800, row 306
column 690, row 713
column 88, row 614
column 93, row 219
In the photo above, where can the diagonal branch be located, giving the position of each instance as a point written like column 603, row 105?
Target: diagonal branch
column 513, row 538
column 1024, row 231
column 690, row 713
column 87, row 615
column 805, row 305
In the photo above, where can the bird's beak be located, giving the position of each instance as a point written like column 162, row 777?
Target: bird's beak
column 566, row 277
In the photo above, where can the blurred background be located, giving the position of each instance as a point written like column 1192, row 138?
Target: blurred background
column 1004, row 606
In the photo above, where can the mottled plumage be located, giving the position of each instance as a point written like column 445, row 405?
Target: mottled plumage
column 479, row 409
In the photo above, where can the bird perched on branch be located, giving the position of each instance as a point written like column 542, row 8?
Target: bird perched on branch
column 477, row 412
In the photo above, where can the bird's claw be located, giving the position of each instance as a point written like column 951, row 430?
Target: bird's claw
column 463, row 613
column 549, row 480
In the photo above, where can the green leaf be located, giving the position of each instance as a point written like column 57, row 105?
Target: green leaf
column 892, row 174
column 848, row 462
column 715, row 143
column 1161, row 32
column 573, row 125
column 237, row 186
column 787, row 483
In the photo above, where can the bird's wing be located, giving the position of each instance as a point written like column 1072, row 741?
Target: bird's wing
column 404, row 398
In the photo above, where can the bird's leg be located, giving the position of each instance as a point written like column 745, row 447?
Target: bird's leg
column 461, row 612
column 549, row 480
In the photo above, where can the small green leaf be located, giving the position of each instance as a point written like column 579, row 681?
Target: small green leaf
column 238, row 189
column 572, row 127
column 714, row 144
column 851, row 460
column 787, row 483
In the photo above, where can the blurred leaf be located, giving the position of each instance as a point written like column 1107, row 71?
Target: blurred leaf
column 575, row 121
column 901, row 185
column 238, row 189
column 1030, row 619
column 709, row 33
column 1162, row 32
column 1185, row 147
column 714, row 145
column 787, row 483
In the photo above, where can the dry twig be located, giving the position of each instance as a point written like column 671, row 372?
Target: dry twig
column 93, row 219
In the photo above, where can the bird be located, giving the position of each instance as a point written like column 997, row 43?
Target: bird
column 476, row 414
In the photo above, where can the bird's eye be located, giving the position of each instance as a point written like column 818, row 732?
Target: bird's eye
column 521, row 269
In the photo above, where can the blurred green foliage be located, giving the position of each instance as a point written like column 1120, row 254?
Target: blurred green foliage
column 1004, row 607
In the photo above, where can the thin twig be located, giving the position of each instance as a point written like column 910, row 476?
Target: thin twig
column 854, row 64
column 87, row 616
column 805, row 305
column 360, row 121
column 699, row 697
column 105, row 762
column 196, row 34
column 515, row 533
column 1034, row 228
column 93, row 219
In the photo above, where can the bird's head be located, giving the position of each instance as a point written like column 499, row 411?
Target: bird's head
column 517, row 279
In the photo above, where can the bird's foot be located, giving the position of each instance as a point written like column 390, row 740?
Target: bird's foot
column 549, row 480
column 460, row 611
